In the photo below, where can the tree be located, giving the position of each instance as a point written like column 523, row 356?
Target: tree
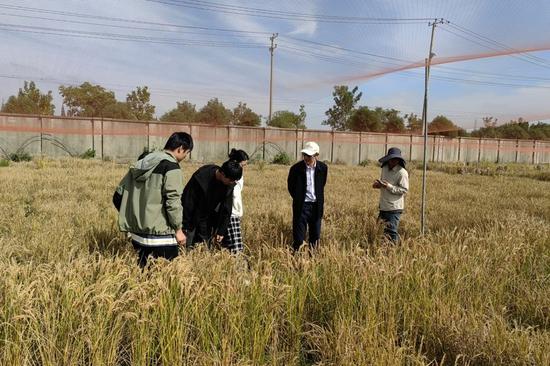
column 118, row 110
column 514, row 130
column 244, row 116
column 540, row 131
column 365, row 119
column 30, row 100
column 344, row 106
column 441, row 125
column 215, row 113
column 414, row 124
column 489, row 122
column 184, row 112
column 288, row 119
column 86, row 100
column 393, row 122
column 139, row 104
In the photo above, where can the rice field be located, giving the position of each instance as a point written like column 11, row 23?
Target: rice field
column 474, row 291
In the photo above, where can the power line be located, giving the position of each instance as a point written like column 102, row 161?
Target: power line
column 123, row 20
column 125, row 37
column 348, row 50
column 277, row 14
column 455, row 70
column 122, row 26
column 497, row 43
column 495, row 47
column 477, row 82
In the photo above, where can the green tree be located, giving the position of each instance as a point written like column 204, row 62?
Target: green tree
column 184, row 112
column 288, row 119
column 441, row 125
column 343, row 108
column 214, row 113
column 365, row 119
column 414, row 123
column 118, row 110
column 540, row 131
column 244, row 116
column 514, row 130
column 86, row 100
column 30, row 100
column 139, row 104
column 393, row 122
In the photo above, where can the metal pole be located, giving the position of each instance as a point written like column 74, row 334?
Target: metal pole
column 425, row 125
column 424, row 166
column 271, row 49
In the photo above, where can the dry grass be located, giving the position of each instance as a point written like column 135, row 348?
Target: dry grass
column 475, row 291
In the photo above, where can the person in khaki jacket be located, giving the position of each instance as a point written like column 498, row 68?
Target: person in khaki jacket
column 393, row 185
column 149, row 200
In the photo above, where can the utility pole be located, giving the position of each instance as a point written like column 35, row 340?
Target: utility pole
column 271, row 49
column 428, row 62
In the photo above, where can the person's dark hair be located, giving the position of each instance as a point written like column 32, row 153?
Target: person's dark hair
column 232, row 170
column 179, row 139
column 238, row 155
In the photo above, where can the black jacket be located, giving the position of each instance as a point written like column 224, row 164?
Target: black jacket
column 297, row 186
column 206, row 203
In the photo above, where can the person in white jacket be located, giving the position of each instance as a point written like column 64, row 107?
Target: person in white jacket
column 393, row 185
column 233, row 241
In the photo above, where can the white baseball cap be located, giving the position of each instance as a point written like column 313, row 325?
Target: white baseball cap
column 310, row 148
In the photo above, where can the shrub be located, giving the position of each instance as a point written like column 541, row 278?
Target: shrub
column 4, row 163
column 88, row 154
column 365, row 162
column 339, row 162
column 282, row 158
column 20, row 156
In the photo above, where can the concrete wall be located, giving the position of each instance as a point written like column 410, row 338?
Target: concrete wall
column 125, row 140
column 346, row 148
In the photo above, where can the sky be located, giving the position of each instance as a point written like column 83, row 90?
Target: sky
column 491, row 57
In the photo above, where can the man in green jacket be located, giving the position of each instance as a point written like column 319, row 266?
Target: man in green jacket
column 149, row 200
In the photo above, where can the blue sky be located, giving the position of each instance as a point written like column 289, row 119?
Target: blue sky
column 315, row 51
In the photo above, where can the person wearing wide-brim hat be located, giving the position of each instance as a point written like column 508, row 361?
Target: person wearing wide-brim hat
column 393, row 185
column 306, row 185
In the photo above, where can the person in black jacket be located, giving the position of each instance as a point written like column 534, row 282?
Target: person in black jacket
column 207, row 202
column 306, row 185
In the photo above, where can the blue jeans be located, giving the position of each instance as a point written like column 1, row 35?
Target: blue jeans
column 391, row 224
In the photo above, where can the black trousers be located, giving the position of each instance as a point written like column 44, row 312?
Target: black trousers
column 310, row 219
column 168, row 252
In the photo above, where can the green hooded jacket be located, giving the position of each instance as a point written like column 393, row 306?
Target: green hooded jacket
column 149, row 196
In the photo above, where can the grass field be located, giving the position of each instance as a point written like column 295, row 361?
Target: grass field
column 474, row 291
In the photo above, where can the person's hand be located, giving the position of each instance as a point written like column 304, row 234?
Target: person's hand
column 219, row 238
column 377, row 184
column 180, row 237
column 384, row 183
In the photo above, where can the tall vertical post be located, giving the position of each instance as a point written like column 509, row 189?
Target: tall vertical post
column 148, row 136
column 102, row 140
column 93, row 135
column 425, row 125
column 41, row 137
column 271, row 49
column 332, row 146
column 360, row 145
column 410, row 147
